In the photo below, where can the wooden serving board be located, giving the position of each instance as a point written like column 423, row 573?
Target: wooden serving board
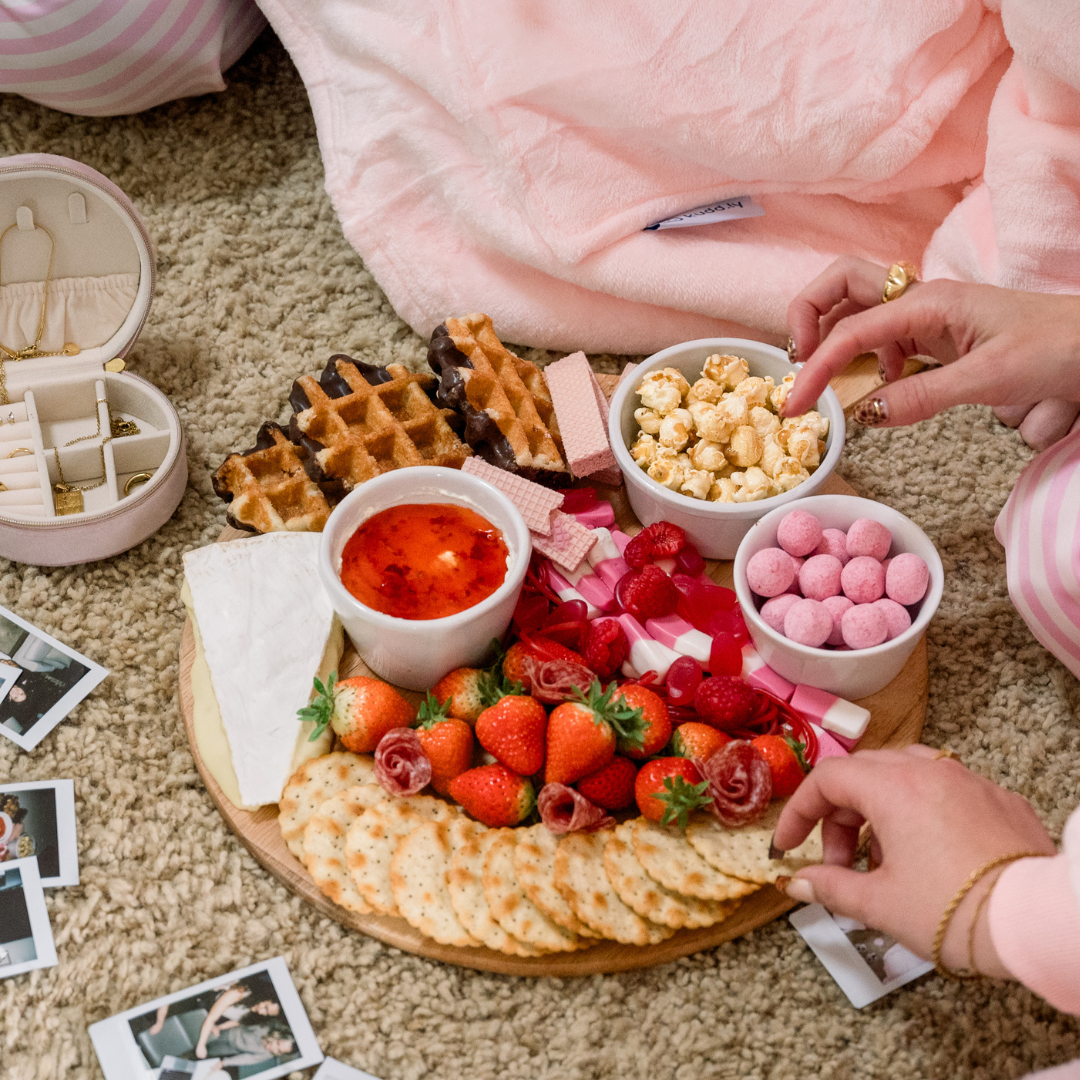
column 897, row 716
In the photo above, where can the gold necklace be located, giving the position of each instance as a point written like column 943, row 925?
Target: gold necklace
column 67, row 498
column 29, row 351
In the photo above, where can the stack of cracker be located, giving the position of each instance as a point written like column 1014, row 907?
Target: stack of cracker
column 525, row 891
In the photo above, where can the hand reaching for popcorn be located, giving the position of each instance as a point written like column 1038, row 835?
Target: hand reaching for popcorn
column 1016, row 351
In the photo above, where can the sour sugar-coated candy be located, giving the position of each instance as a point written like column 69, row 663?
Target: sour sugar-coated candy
column 896, row 617
column 906, row 579
column 833, row 542
column 809, row 623
column 820, row 577
column 799, row 532
column 774, row 610
column 836, row 606
column 868, row 537
column 770, row 572
column 864, row 626
column 863, row 580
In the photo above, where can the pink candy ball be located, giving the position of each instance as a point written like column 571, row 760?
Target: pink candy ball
column 770, row 572
column 870, row 538
column 864, row 626
column 774, row 610
column 836, row 606
column 798, row 564
column 896, row 617
column 906, row 579
column 820, row 577
column 833, row 542
column 863, row 580
column 799, row 532
column 809, row 623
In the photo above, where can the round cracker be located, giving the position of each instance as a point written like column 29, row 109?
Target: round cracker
column 465, row 882
column 668, row 859
column 580, row 877
column 373, row 838
column 324, row 843
column 649, row 898
column 311, row 785
column 744, row 852
column 418, row 879
column 512, row 909
column 534, row 865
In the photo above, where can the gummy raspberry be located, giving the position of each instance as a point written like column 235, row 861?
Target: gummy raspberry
column 667, row 540
column 648, row 593
column 725, row 702
column 683, row 678
column 606, row 647
column 639, row 552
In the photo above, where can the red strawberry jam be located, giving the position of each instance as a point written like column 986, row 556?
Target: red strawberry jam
column 424, row 560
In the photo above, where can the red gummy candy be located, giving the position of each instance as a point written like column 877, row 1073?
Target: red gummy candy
column 531, row 611
column 606, row 647
column 689, row 561
column 683, row 678
column 666, row 539
column 638, row 552
column 578, row 500
column 567, row 624
column 725, row 657
column 647, row 593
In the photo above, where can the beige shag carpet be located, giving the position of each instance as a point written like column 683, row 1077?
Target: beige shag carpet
column 256, row 286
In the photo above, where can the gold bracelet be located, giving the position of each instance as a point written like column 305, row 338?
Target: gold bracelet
column 943, row 926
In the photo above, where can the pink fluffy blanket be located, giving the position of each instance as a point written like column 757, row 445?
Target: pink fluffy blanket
column 506, row 156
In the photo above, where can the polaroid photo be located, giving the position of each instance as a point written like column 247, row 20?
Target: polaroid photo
column 26, row 940
column 50, row 680
column 867, row 964
column 249, row 1023
column 37, row 819
column 332, row 1069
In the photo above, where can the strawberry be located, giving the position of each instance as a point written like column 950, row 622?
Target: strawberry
column 361, row 711
column 513, row 731
column 606, row 647
column 725, row 701
column 787, row 762
column 494, row 795
column 668, row 789
column 611, row 787
column 581, row 734
column 648, row 593
column 539, row 648
column 467, row 692
column 655, row 722
column 692, row 740
column 447, row 741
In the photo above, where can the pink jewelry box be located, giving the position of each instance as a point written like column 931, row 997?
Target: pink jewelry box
column 100, row 282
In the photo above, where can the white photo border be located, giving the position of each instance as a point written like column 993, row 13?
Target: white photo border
column 332, row 1069
column 66, row 837
column 119, row 1055
column 40, row 927
column 95, row 674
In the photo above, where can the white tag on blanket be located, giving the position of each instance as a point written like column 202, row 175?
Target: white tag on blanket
column 728, row 210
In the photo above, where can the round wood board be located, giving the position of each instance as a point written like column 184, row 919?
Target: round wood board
column 897, row 716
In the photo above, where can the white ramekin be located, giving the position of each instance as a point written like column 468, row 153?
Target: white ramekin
column 714, row 528
column 847, row 674
column 416, row 653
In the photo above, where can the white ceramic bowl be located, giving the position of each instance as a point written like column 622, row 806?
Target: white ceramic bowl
column 860, row 672
column 714, row 528
column 416, row 653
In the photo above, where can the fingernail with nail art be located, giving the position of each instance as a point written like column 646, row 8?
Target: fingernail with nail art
column 774, row 851
column 871, row 411
column 803, row 891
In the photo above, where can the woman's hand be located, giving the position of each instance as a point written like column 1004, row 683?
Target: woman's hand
column 933, row 823
column 1017, row 351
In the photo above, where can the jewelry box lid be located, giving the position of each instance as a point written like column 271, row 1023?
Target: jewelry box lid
column 76, row 270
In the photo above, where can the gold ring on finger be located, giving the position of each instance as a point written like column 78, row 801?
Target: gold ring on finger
column 945, row 752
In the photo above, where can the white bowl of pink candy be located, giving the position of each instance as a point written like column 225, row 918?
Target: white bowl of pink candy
column 836, row 592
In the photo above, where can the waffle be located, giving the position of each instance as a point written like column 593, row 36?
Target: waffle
column 267, row 488
column 357, row 421
column 509, row 417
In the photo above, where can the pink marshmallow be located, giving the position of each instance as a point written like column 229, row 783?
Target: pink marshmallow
column 774, row 610
column 868, row 537
column 827, row 746
column 864, row 626
column 833, row 542
column 836, row 606
column 770, row 572
column 896, row 617
column 820, row 577
column 809, row 623
column 906, row 579
column 799, row 532
column 863, row 580
column 762, row 677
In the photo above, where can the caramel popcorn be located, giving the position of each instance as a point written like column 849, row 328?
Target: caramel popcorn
column 721, row 439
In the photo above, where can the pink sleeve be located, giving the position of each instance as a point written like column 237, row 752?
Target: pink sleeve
column 1034, row 914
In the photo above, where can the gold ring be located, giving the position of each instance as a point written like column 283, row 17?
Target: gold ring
column 899, row 277
column 21, row 451
column 792, row 351
column 138, row 478
column 3, row 486
column 952, row 755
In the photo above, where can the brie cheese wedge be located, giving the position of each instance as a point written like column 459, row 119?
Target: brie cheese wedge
column 264, row 628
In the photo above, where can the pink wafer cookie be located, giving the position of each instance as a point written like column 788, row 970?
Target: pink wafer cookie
column 568, row 543
column 535, row 503
column 575, row 394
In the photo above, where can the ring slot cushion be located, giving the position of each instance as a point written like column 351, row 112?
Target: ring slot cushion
column 101, row 283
